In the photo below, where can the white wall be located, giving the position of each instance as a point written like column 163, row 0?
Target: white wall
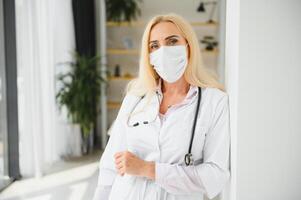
column 268, row 151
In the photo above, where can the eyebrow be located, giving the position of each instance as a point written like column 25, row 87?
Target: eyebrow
column 171, row 36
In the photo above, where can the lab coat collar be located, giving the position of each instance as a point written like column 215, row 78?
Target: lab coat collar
column 149, row 111
column 193, row 91
column 145, row 110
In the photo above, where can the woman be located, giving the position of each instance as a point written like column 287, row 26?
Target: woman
column 144, row 157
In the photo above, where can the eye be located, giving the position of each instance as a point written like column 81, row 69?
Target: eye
column 154, row 47
column 172, row 41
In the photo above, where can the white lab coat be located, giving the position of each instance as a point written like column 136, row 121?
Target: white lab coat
column 166, row 145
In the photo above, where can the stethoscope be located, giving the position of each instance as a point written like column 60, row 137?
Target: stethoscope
column 188, row 159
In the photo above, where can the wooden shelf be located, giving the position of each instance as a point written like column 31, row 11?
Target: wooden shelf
column 123, row 51
column 113, row 105
column 136, row 52
column 134, row 23
column 142, row 23
column 112, row 78
column 212, row 52
column 214, row 24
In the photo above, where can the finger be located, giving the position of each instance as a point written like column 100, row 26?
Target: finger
column 119, row 166
column 121, row 170
column 118, row 169
column 118, row 161
column 120, row 158
column 118, row 154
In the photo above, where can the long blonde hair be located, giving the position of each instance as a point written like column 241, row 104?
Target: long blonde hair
column 195, row 72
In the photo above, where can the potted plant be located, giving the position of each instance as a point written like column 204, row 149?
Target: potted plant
column 80, row 94
column 122, row 10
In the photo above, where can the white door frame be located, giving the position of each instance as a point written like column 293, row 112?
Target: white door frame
column 231, row 83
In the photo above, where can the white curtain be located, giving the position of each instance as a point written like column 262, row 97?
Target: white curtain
column 45, row 37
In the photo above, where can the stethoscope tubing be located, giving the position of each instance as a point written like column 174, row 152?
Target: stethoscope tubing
column 188, row 159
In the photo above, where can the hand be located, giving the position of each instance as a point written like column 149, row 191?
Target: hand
column 128, row 163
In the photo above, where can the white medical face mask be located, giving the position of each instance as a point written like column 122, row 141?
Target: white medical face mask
column 169, row 62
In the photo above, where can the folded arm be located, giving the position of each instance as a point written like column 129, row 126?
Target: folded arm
column 209, row 177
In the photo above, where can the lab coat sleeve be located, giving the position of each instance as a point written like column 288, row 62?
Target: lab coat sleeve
column 102, row 192
column 116, row 143
column 211, row 176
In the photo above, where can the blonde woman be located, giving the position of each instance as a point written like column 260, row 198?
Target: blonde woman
column 171, row 138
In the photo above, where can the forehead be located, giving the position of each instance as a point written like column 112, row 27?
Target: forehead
column 162, row 30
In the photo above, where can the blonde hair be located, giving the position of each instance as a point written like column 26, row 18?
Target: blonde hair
column 195, row 73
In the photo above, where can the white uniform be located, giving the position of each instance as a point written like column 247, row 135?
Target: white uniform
column 167, row 143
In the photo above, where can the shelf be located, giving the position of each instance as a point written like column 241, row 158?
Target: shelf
column 113, row 105
column 123, row 51
column 134, row 23
column 212, row 52
column 111, row 78
column 136, row 52
column 215, row 24
column 142, row 23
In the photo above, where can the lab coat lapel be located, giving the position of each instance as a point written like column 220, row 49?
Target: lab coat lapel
column 145, row 110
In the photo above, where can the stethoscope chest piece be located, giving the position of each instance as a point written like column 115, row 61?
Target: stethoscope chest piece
column 188, row 159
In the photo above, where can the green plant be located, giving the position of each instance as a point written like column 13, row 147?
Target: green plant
column 122, row 10
column 80, row 91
